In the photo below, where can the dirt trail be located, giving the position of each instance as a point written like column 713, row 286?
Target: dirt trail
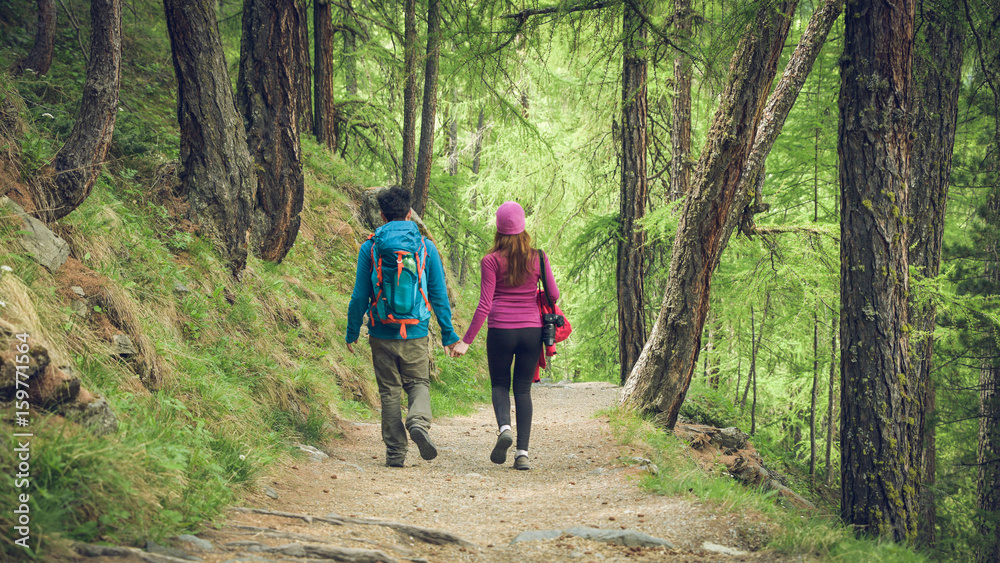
column 577, row 479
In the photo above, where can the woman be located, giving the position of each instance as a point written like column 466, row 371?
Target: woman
column 510, row 275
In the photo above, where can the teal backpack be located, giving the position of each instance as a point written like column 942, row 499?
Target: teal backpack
column 399, row 281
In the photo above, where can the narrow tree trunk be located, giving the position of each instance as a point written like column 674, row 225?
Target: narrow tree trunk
column 410, row 94
column 453, row 136
column 325, row 115
column 425, row 154
column 814, row 398
column 303, row 82
column 78, row 163
column 988, row 460
column 350, row 58
column 680, row 132
column 476, row 157
column 662, row 375
column 268, row 100
column 937, row 68
column 40, row 58
column 830, row 403
column 217, row 172
column 634, row 193
column 881, row 401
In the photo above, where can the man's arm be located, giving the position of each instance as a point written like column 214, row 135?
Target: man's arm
column 362, row 294
column 437, row 291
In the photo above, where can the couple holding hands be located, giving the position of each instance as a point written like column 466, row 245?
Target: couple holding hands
column 507, row 303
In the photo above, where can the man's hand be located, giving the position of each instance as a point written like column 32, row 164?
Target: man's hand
column 350, row 347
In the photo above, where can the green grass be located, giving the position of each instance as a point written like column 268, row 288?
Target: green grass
column 785, row 530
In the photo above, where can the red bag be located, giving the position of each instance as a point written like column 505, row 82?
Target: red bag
column 547, row 307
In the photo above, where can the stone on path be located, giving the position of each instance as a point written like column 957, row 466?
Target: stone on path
column 628, row 538
column 197, row 542
column 716, row 548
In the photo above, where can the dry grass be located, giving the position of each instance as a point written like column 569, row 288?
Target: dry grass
column 20, row 311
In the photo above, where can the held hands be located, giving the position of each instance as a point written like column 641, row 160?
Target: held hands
column 457, row 349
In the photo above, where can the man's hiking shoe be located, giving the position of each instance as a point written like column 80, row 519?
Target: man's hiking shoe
column 521, row 462
column 499, row 454
column 424, row 443
column 395, row 462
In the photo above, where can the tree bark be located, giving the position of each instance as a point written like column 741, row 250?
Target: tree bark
column 425, row 155
column 410, row 94
column 325, row 114
column 631, row 263
column 350, row 59
column 217, row 172
column 830, row 403
column 268, row 99
column 680, row 132
column 39, row 59
column 814, row 397
column 453, row 137
column 881, row 400
column 937, row 68
column 303, row 82
column 79, row 161
column 988, row 460
column 662, row 375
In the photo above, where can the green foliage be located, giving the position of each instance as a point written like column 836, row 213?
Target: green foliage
column 784, row 530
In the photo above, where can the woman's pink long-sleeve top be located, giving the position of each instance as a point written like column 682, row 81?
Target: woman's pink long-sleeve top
column 508, row 307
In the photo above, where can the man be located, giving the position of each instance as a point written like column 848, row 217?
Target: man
column 399, row 346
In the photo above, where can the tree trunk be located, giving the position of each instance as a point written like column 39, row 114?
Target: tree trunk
column 303, row 82
column 40, row 58
column 881, row 400
column 425, row 155
column 830, row 403
column 476, row 156
column 631, row 263
column 988, row 460
column 937, row 68
column 680, row 132
column 268, row 99
column 662, row 375
column 410, row 95
column 78, row 163
column 350, row 59
column 325, row 114
column 217, row 173
column 453, row 137
column 814, row 398
column 749, row 194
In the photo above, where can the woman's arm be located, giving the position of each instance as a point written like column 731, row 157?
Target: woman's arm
column 488, row 282
column 550, row 281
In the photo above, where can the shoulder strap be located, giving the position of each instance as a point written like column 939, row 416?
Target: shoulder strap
column 541, row 275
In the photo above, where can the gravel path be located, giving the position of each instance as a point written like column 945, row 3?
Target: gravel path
column 577, row 479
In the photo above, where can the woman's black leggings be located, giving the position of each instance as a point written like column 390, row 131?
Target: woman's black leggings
column 522, row 348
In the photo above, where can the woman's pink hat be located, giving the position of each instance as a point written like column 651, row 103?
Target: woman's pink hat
column 510, row 218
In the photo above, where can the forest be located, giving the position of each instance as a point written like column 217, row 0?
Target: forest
column 778, row 215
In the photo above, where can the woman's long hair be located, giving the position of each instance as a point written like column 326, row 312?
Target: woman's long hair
column 520, row 257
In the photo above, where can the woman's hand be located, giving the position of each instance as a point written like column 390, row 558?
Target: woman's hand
column 459, row 349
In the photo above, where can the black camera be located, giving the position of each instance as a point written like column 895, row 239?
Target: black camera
column 550, row 318
column 548, row 334
column 549, row 324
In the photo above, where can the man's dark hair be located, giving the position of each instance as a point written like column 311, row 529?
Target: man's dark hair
column 395, row 203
